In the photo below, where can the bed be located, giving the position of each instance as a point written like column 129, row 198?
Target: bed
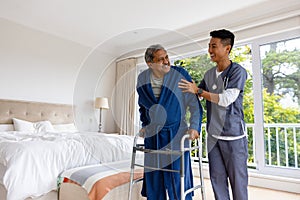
column 31, row 159
column 106, row 181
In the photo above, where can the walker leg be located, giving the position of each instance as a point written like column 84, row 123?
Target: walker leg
column 200, row 168
column 132, row 167
column 182, row 190
column 201, row 185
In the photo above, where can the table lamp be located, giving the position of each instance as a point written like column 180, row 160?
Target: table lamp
column 101, row 103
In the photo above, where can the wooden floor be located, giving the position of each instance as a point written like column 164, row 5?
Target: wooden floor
column 255, row 193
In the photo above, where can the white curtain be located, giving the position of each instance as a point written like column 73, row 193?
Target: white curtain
column 124, row 96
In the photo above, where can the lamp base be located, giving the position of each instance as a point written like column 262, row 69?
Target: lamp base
column 100, row 128
column 100, row 121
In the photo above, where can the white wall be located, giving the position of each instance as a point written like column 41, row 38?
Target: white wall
column 37, row 66
column 96, row 78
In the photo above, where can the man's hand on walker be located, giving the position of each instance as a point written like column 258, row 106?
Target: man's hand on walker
column 142, row 132
column 194, row 134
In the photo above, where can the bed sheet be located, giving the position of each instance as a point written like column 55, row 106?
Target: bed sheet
column 33, row 161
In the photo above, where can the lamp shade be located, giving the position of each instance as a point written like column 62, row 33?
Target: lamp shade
column 101, row 102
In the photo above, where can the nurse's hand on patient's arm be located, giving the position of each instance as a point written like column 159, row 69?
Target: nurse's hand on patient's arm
column 187, row 86
column 194, row 134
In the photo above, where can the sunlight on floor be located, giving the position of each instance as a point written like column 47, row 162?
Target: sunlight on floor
column 255, row 193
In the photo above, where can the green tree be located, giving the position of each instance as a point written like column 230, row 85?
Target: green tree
column 196, row 66
column 281, row 76
column 281, row 72
column 275, row 113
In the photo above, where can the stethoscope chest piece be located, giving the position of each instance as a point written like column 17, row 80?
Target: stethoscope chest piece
column 214, row 86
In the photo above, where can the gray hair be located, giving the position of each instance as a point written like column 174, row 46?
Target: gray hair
column 149, row 54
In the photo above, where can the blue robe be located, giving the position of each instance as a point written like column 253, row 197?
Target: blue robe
column 164, row 120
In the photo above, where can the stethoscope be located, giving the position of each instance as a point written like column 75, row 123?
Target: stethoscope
column 226, row 78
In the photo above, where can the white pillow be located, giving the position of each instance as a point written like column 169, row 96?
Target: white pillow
column 43, row 126
column 69, row 128
column 22, row 125
column 37, row 127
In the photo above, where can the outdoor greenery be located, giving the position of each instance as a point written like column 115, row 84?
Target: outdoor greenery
column 281, row 76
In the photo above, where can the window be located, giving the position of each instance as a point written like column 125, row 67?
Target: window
column 280, row 63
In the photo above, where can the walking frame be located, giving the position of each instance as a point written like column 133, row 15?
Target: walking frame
column 140, row 147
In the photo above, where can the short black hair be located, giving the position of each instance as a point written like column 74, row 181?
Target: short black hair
column 149, row 54
column 227, row 37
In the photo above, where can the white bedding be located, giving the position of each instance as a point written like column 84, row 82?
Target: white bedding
column 33, row 161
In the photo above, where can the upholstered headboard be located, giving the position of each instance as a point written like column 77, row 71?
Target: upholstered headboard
column 35, row 111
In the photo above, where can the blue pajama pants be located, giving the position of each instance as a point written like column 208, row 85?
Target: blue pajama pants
column 156, row 182
column 165, row 182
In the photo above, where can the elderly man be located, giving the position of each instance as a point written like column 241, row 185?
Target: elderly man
column 163, row 115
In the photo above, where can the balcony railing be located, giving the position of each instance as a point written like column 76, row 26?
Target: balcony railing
column 282, row 145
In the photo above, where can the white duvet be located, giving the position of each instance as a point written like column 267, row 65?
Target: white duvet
column 33, row 161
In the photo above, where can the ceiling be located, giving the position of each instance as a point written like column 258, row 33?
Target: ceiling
column 92, row 22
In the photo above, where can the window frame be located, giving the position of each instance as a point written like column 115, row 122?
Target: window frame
column 262, row 168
